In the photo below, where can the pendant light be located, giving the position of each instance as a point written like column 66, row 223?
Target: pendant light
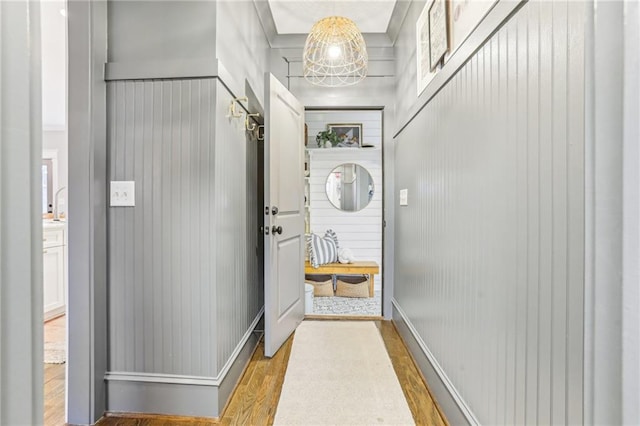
column 335, row 53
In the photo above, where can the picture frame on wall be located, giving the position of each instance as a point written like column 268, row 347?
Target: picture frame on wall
column 423, row 59
column 349, row 135
column 438, row 32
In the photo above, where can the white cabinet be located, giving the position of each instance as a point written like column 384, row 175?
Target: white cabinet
column 54, row 271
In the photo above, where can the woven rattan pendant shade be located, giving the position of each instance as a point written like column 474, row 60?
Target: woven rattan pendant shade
column 335, row 53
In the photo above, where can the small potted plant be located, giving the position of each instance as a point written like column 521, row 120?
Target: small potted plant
column 327, row 139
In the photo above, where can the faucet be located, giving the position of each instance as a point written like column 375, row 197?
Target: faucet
column 56, row 216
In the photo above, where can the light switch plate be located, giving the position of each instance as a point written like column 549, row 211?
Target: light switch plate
column 123, row 194
column 404, row 197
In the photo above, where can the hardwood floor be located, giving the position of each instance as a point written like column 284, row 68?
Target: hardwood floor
column 54, row 376
column 255, row 399
column 422, row 405
column 54, row 383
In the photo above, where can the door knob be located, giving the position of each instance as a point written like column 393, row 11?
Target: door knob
column 274, row 210
column 276, row 230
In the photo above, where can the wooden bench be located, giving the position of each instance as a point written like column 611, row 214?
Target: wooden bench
column 356, row 268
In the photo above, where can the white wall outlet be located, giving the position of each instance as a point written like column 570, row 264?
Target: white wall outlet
column 404, row 197
column 123, row 194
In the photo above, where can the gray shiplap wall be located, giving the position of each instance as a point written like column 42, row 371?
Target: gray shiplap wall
column 489, row 251
column 184, row 283
column 185, row 277
column 162, row 251
column 236, row 219
column 241, row 48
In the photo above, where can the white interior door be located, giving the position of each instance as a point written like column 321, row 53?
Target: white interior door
column 284, row 214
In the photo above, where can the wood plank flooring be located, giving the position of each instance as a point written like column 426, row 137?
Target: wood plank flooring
column 54, row 375
column 54, row 384
column 255, row 399
column 422, row 405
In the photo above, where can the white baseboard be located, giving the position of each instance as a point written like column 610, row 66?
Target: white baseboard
column 181, row 395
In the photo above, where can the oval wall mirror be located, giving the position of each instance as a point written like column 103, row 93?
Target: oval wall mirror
column 349, row 187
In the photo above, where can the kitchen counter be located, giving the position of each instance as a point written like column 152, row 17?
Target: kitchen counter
column 53, row 224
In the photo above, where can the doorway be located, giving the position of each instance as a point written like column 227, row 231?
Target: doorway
column 344, row 195
column 54, row 208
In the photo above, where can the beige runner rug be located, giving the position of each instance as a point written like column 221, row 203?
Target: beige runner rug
column 55, row 352
column 339, row 373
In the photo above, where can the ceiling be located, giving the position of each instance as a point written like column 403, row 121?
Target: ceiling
column 298, row 16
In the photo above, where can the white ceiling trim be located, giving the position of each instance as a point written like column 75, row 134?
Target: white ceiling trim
column 400, row 11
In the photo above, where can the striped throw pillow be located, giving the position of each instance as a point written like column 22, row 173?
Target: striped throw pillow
column 321, row 250
column 331, row 234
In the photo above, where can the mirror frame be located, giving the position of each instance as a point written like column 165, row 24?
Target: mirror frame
column 373, row 187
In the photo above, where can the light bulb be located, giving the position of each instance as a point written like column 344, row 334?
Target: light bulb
column 334, row 52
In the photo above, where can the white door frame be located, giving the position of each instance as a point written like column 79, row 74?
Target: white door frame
column 387, row 206
column 87, row 307
column 21, row 293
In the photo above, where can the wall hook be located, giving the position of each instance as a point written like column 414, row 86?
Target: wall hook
column 233, row 113
column 250, row 126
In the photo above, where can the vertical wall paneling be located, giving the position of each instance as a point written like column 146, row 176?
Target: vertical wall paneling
column 242, row 48
column 161, row 259
column 239, row 292
column 522, row 241
column 510, row 298
column 558, row 412
column 487, row 251
column 185, row 287
column 533, row 210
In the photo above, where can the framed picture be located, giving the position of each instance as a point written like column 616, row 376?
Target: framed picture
column 349, row 135
column 464, row 16
column 438, row 32
column 423, row 59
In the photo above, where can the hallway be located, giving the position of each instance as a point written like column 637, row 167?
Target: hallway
column 510, row 222
column 256, row 397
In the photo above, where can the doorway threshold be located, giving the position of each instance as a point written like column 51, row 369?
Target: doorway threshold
column 329, row 317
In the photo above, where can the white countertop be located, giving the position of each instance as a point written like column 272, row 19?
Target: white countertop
column 53, row 224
